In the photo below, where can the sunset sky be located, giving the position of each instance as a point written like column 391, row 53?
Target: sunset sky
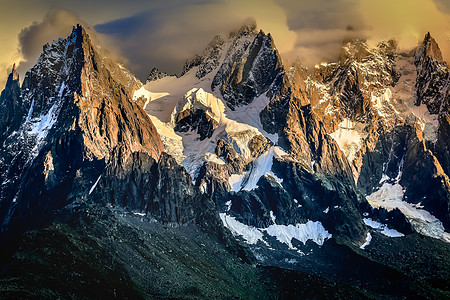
column 166, row 33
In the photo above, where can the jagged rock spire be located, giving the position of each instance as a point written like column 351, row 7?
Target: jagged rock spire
column 429, row 48
column 432, row 74
column 75, row 115
column 14, row 75
column 432, row 48
column 156, row 74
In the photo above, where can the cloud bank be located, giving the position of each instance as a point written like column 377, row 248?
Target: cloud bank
column 311, row 31
column 56, row 24
column 167, row 33
column 167, row 36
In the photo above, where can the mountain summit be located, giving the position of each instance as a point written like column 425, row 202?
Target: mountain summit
column 70, row 114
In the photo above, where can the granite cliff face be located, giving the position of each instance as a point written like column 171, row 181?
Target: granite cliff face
column 300, row 172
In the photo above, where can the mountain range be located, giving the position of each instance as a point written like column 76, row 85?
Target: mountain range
column 242, row 177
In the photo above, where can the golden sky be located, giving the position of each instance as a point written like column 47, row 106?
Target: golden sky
column 165, row 33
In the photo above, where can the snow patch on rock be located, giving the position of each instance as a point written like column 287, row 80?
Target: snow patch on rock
column 39, row 127
column 250, row 234
column 349, row 136
column 95, row 184
column 211, row 157
column 258, row 168
column 390, row 196
column 311, row 230
column 382, row 228
column 367, row 241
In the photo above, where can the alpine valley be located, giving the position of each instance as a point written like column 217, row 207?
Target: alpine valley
column 241, row 178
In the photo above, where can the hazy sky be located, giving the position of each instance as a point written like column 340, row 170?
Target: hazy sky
column 165, row 33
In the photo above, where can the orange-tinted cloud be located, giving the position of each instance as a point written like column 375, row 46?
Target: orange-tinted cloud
column 166, row 33
column 408, row 21
column 166, row 37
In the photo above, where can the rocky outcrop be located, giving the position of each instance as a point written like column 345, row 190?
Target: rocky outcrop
column 432, row 89
column 161, row 189
column 301, row 132
column 424, row 179
column 197, row 120
column 258, row 145
column 387, row 158
column 401, row 157
column 197, row 111
column 235, row 161
column 357, row 88
column 440, row 148
column 210, row 57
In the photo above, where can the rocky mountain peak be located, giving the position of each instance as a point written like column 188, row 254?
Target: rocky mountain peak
column 250, row 66
column 432, row 75
column 11, row 106
column 354, row 48
column 429, row 48
column 14, row 75
column 73, row 117
column 208, row 60
column 156, row 74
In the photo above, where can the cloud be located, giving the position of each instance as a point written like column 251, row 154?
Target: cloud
column 320, row 27
column 167, row 36
column 165, row 33
column 443, row 5
column 407, row 21
column 312, row 31
column 56, row 24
